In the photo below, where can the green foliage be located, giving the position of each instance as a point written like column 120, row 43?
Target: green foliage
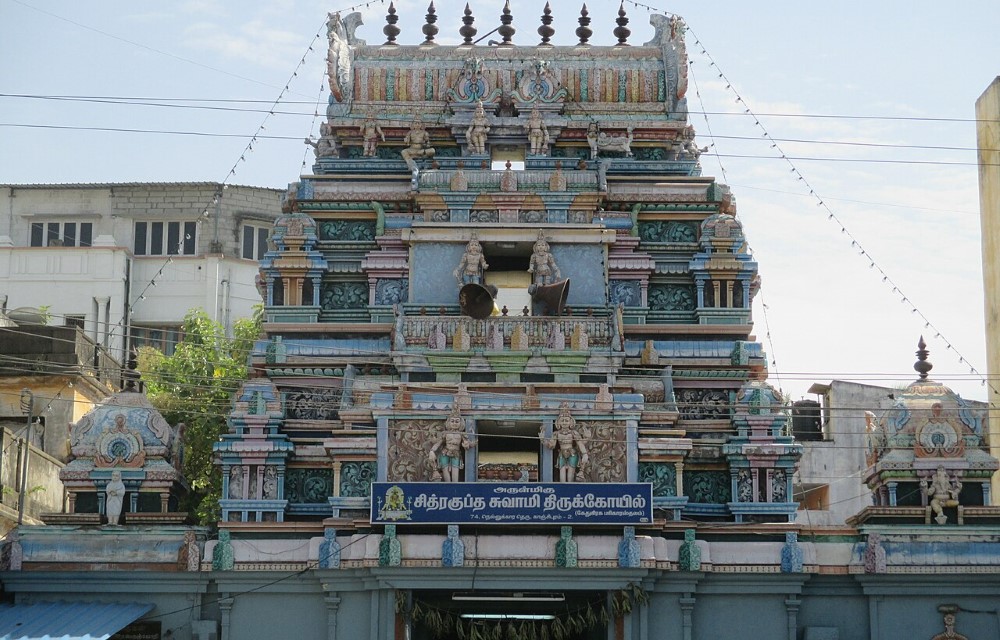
column 195, row 386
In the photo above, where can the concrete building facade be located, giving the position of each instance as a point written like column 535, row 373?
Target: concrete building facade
column 120, row 258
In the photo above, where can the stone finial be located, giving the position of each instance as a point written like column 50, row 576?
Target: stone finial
column 546, row 31
column 189, row 555
column 506, row 31
column 461, row 340
column 921, row 365
column 791, row 554
column 689, row 558
column 468, row 32
column 390, row 29
column 430, row 30
column 390, row 551
column 628, row 550
column 329, row 550
column 604, row 400
column 131, row 378
column 649, row 354
column 452, row 549
column 566, row 548
column 222, row 555
column 583, row 32
column 621, row 31
column 875, row 559
column 508, row 179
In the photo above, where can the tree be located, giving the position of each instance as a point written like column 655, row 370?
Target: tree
column 195, row 386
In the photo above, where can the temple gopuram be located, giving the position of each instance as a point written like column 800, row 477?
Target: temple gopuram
column 508, row 387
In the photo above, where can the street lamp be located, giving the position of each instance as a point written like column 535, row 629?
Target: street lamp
column 28, row 407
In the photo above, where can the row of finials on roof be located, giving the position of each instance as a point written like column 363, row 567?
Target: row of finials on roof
column 506, row 30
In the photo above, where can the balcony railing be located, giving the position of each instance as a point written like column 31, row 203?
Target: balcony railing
column 427, row 332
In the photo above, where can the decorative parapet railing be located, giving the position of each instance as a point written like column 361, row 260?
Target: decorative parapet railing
column 487, row 180
column 517, row 333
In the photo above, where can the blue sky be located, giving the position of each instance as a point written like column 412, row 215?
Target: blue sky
column 914, row 211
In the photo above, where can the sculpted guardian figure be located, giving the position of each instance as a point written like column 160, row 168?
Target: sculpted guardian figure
column 478, row 129
column 542, row 265
column 472, row 265
column 371, row 133
column 538, row 135
column 572, row 449
column 114, row 498
column 446, row 454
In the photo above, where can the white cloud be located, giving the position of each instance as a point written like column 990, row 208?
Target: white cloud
column 255, row 41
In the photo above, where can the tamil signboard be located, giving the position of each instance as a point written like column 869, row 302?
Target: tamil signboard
column 511, row 503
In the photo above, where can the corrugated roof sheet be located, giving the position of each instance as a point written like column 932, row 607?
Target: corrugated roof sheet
column 68, row 620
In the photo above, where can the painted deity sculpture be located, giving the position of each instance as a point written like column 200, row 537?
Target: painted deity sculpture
column 446, row 453
column 571, row 447
column 418, row 144
column 326, row 146
column 542, row 264
column 236, row 482
column 538, row 135
column 472, row 265
column 478, row 130
column 943, row 492
column 600, row 141
column 114, row 498
column 371, row 133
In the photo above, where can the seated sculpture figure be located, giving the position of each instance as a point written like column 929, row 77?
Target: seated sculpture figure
column 326, row 146
column 943, row 492
column 418, row 143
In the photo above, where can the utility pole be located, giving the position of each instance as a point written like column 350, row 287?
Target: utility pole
column 27, row 406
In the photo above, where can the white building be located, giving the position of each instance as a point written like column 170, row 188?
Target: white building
column 134, row 257
column 830, row 479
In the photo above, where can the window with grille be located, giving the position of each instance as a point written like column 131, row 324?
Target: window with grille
column 254, row 241
column 61, row 234
column 165, row 238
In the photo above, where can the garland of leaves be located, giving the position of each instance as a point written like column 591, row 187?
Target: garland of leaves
column 442, row 623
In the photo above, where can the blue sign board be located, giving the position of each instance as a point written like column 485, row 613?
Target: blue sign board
column 511, row 503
